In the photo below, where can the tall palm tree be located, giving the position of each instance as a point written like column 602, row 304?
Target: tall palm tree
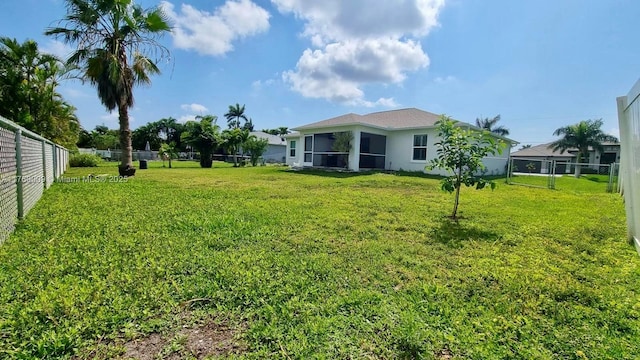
column 114, row 39
column 234, row 115
column 490, row 125
column 581, row 136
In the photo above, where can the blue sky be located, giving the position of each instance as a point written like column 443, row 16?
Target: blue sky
column 539, row 64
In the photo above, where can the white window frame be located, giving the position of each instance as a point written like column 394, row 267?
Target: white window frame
column 292, row 147
column 414, row 147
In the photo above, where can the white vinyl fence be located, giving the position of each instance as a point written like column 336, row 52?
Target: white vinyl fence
column 629, row 119
column 29, row 164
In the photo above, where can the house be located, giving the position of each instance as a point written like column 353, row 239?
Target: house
column 537, row 159
column 401, row 139
column 277, row 148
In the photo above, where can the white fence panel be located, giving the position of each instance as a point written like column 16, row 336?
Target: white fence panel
column 629, row 120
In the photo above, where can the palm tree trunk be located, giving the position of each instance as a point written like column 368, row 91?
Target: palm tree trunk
column 126, row 160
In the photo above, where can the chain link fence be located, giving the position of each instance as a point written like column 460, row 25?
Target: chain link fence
column 29, row 164
column 554, row 174
column 629, row 120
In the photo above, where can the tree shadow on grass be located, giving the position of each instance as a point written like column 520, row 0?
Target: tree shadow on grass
column 455, row 234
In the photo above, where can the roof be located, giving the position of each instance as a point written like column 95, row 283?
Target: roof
column 272, row 139
column 541, row 150
column 410, row 118
column 391, row 120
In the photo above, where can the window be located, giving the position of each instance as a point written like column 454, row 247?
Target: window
column 419, row 147
column 292, row 148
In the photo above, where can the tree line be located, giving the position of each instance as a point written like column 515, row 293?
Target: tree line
column 29, row 94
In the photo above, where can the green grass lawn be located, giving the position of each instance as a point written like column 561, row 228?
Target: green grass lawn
column 321, row 265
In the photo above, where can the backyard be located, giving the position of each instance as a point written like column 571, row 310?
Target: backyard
column 281, row 264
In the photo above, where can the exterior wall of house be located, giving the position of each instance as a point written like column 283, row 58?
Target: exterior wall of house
column 296, row 160
column 400, row 150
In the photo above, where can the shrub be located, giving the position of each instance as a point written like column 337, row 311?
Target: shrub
column 84, row 160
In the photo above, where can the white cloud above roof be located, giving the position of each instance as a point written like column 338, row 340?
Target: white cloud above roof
column 213, row 33
column 355, row 44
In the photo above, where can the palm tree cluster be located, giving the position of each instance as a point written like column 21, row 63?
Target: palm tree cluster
column 28, row 92
column 113, row 40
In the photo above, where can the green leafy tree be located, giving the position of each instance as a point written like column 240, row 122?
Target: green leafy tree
column 460, row 153
column 168, row 152
column 28, row 92
column 232, row 141
column 491, row 125
column 255, row 147
column 114, row 39
column 234, row 115
column 342, row 143
column 204, row 136
column 581, row 136
column 146, row 133
column 525, row 146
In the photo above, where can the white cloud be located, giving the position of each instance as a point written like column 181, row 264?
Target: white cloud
column 445, row 80
column 213, row 33
column 57, row 48
column 197, row 108
column 379, row 45
column 259, row 84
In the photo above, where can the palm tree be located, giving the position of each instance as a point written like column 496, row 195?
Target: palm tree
column 490, row 125
column 203, row 135
column 232, row 141
column 28, row 92
column 581, row 136
column 234, row 115
column 113, row 39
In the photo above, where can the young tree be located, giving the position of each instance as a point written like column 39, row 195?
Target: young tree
column 460, row 152
column 204, row 136
column 342, row 143
column 582, row 136
column 255, row 148
column 168, row 152
column 490, row 125
column 113, row 39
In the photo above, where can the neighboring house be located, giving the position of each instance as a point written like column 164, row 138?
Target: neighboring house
column 277, row 148
column 538, row 158
column 389, row 140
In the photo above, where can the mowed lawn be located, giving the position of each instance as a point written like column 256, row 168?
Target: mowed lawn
column 320, row 265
